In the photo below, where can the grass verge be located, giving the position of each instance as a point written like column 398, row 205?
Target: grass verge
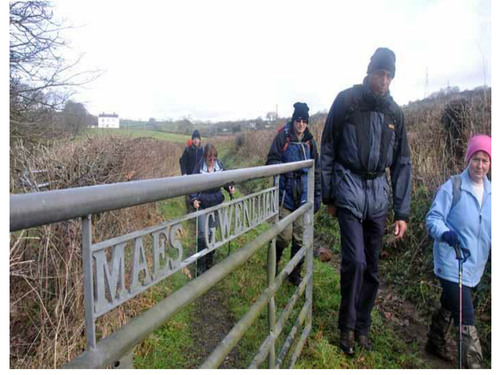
column 159, row 135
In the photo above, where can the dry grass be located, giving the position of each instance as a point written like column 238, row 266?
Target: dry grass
column 438, row 132
column 46, row 292
column 254, row 145
column 46, row 283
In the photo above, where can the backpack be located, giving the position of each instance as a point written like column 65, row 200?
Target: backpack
column 285, row 129
column 456, row 184
column 354, row 102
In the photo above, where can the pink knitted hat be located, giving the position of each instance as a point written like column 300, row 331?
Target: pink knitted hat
column 478, row 143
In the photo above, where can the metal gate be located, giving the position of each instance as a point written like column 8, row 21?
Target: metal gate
column 105, row 287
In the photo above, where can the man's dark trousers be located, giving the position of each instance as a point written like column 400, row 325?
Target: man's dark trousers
column 361, row 242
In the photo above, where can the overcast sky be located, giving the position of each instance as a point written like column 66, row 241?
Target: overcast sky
column 228, row 60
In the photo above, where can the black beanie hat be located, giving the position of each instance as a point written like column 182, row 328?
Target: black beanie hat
column 301, row 111
column 196, row 134
column 383, row 58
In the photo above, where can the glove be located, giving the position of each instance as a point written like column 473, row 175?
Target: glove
column 451, row 238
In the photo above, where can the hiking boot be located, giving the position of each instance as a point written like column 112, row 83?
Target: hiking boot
column 472, row 355
column 363, row 341
column 440, row 352
column 201, row 266
column 295, row 279
column 210, row 260
column 436, row 337
column 201, row 263
column 347, row 341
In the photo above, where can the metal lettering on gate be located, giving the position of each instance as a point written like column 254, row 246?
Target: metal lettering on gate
column 108, row 282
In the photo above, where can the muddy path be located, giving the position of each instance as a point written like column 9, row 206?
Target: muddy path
column 408, row 324
column 404, row 318
column 212, row 322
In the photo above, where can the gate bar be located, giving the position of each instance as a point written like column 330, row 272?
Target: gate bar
column 115, row 346
column 266, row 345
column 239, row 329
column 33, row 209
column 286, row 346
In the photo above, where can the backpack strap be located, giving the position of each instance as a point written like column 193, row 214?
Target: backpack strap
column 456, row 183
column 351, row 100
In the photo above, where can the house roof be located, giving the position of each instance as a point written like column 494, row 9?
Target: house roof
column 106, row 115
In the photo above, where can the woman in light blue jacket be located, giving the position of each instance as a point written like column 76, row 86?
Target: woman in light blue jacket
column 461, row 215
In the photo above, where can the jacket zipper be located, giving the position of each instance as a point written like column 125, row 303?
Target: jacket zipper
column 478, row 243
column 365, row 209
column 479, row 229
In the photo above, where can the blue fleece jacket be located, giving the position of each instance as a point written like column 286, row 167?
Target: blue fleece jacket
column 471, row 221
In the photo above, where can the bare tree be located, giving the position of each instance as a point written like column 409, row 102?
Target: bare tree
column 74, row 117
column 41, row 80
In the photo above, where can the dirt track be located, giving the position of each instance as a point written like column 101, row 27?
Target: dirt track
column 213, row 321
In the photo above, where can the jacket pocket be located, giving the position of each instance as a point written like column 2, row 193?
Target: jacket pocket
column 338, row 179
column 350, row 193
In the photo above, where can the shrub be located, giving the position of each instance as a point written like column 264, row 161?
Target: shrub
column 46, row 280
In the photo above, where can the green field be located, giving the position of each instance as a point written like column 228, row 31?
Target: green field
column 162, row 136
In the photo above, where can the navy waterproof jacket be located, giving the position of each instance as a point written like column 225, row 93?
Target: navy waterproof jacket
column 190, row 158
column 286, row 148
column 211, row 197
column 363, row 136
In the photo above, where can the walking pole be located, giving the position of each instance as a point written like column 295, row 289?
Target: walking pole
column 460, row 294
column 196, row 236
column 196, row 239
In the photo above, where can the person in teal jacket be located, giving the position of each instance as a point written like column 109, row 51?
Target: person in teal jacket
column 465, row 221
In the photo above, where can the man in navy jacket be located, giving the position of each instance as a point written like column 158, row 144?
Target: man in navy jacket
column 364, row 135
column 294, row 142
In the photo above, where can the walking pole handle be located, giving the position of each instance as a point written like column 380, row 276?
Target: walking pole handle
column 458, row 253
column 462, row 254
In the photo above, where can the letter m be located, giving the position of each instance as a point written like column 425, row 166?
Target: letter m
column 109, row 276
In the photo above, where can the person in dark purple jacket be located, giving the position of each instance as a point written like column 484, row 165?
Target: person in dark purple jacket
column 193, row 153
column 206, row 199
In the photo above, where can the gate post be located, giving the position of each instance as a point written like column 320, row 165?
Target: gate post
column 88, row 285
column 271, row 274
column 309, row 239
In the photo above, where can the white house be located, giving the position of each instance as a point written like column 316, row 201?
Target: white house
column 108, row 121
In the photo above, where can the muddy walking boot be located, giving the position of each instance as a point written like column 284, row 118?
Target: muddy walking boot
column 201, row 266
column 279, row 253
column 363, row 341
column 436, row 338
column 472, row 355
column 295, row 278
column 201, row 263
column 210, row 260
column 347, row 341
